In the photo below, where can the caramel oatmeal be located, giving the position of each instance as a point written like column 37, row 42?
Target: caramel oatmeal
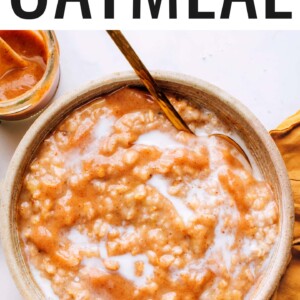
column 118, row 204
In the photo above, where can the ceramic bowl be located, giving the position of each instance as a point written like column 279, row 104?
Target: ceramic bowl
column 257, row 140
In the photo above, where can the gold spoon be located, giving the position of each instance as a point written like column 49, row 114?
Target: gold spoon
column 148, row 80
column 157, row 92
column 9, row 58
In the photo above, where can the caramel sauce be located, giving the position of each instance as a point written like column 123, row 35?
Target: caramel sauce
column 17, row 80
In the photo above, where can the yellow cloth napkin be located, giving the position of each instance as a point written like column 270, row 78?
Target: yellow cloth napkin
column 287, row 138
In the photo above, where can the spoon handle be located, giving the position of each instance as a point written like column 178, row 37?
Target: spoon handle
column 11, row 59
column 148, row 80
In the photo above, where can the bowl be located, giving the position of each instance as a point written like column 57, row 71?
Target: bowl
column 256, row 138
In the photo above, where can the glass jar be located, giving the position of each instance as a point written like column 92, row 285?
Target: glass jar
column 38, row 97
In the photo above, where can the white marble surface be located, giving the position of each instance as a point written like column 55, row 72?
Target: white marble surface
column 260, row 68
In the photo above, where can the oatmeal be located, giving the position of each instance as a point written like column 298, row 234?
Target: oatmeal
column 118, row 204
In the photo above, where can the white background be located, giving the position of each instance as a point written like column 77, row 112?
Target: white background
column 261, row 69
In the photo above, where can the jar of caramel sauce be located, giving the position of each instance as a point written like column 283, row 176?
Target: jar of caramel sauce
column 29, row 72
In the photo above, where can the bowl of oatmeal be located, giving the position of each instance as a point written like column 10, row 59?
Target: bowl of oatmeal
column 104, row 199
